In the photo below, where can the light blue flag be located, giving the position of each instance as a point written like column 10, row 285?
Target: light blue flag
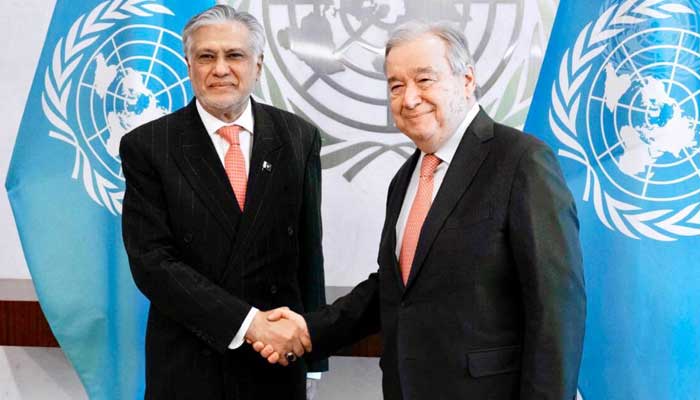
column 619, row 100
column 106, row 67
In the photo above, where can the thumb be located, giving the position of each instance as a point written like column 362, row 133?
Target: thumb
column 277, row 314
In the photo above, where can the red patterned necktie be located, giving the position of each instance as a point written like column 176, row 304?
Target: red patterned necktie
column 234, row 163
column 416, row 217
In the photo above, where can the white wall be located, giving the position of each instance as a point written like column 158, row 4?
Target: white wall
column 23, row 25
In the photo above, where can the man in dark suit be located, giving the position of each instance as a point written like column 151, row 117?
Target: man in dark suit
column 221, row 217
column 480, row 291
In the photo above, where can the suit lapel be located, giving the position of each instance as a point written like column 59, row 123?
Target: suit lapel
column 199, row 162
column 266, row 152
column 470, row 154
column 395, row 202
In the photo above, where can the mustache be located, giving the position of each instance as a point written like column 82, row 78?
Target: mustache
column 221, row 83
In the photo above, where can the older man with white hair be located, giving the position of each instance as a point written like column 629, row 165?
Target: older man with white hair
column 221, row 217
column 480, row 291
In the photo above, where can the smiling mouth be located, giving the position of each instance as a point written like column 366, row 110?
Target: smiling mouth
column 416, row 115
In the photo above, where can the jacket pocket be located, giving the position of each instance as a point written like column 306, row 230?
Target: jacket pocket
column 487, row 362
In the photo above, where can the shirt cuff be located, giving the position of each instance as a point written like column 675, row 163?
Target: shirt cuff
column 313, row 375
column 240, row 335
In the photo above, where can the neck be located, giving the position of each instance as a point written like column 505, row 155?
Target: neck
column 229, row 116
column 429, row 148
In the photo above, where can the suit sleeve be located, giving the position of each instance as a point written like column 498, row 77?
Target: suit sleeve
column 311, row 276
column 351, row 317
column 543, row 228
column 174, row 288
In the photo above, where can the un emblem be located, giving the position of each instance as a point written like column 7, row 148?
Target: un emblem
column 632, row 77
column 327, row 64
column 104, row 81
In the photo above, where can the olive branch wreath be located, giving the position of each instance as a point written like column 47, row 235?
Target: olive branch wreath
column 67, row 55
column 575, row 67
column 268, row 90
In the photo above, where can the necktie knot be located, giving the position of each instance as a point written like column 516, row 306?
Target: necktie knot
column 230, row 133
column 429, row 165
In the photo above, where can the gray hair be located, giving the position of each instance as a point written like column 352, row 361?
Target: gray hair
column 222, row 13
column 457, row 49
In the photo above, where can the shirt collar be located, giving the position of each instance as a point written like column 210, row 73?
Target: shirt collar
column 447, row 151
column 212, row 124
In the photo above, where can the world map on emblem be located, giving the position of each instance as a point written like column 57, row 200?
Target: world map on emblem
column 653, row 152
column 127, row 83
column 335, row 49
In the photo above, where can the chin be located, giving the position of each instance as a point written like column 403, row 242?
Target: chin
column 221, row 104
column 422, row 133
column 417, row 137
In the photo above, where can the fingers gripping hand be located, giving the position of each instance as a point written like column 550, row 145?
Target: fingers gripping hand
column 303, row 331
column 275, row 333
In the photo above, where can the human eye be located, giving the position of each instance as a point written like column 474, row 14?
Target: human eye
column 235, row 55
column 205, row 57
column 425, row 81
column 395, row 88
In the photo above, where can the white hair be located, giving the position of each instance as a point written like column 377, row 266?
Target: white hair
column 222, row 13
column 458, row 56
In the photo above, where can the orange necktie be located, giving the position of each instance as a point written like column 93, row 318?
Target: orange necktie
column 234, row 163
column 416, row 217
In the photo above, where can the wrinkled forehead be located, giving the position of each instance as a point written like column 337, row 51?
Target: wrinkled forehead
column 229, row 34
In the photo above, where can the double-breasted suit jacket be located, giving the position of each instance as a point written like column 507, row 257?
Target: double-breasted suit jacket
column 203, row 263
column 494, row 305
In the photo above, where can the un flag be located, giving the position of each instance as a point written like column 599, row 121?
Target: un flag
column 106, row 67
column 619, row 99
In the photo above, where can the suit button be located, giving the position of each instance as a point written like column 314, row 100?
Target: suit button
column 290, row 231
column 273, row 289
column 187, row 238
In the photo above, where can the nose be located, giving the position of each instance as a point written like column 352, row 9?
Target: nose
column 411, row 96
column 221, row 67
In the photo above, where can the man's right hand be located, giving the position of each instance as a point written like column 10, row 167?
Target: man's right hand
column 286, row 325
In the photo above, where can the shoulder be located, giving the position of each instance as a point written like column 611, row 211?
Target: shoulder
column 158, row 129
column 297, row 127
column 516, row 144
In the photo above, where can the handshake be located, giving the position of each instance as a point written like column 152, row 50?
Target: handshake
column 279, row 335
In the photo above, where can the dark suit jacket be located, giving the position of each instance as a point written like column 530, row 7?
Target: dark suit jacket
column 203, row 264
column 494, row 306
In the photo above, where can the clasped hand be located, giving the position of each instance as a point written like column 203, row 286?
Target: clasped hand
column 278, row 332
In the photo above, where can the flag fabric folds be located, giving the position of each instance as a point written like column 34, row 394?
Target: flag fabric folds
column 618, row 99
column 106, row 67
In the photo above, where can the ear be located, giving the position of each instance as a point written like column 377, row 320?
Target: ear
column 258, row 65
column 469, row 82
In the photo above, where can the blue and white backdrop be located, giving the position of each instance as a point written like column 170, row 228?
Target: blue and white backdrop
column 616, row 97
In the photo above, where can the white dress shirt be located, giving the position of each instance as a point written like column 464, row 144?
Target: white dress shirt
column 212, row 124
column 246, row 121
column 445, row 153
